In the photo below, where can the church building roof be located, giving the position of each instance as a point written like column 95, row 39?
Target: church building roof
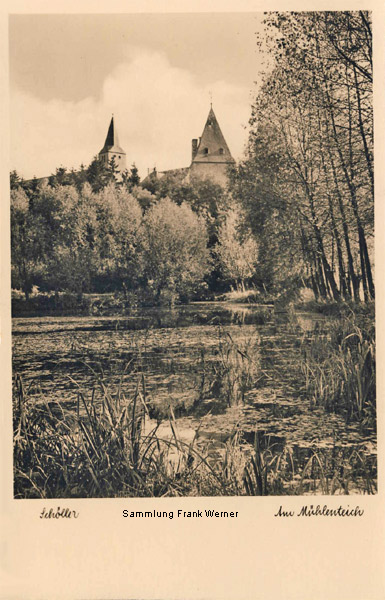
column 112, row 141
column 212, row 146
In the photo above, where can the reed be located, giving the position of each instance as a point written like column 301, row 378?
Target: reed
column 276, row 472
column 237, row 367
column 339, row 370
column 100, row 448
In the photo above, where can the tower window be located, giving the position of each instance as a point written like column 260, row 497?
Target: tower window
column 221, row 151
column 205, row 150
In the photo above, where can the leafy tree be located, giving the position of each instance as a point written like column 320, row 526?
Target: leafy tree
column 173, row 249
column 61, row 177
column 206, row 198
column 131, row 178
column 237, row 249
column 306, row 182
column 144, row 197
column 112, row 171
column 97, row 174
column 66, row 238
column 80, row 177
column 118, row 216
column 26, row 246
column 151, row 182
column 15, row 180
column 83, row 241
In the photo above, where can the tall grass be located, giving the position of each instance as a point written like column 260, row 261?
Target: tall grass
column 99, row 448
column 237, row 367
column 339, row 370
column 274, row 472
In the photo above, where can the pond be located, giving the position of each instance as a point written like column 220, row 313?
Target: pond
column 221, row 368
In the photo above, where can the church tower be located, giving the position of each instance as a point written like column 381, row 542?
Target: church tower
column 211, row 155
column 111, row 149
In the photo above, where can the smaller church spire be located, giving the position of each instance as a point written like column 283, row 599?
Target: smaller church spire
column 112, row 149
column 112, row 141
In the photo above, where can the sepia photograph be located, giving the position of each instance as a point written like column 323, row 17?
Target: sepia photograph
column 192, row 255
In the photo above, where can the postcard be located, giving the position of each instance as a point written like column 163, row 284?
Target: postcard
column 191, row 317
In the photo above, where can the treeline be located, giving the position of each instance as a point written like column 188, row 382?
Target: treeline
column 103, row 241
column 306, row 183
column 97, row 174
column 154, row 242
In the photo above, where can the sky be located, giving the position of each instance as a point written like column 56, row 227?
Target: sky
column 155, row 72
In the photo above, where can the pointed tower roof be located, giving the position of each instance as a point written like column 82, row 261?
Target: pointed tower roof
column 212, row 145
column 112, row 141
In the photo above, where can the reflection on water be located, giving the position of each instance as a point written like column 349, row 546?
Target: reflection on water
column 194, row 359
column 198, row 313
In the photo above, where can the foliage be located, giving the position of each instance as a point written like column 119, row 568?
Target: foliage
column 131, row 179
column 237, row 250
column 83, row 241
column 99, row 174
column 119, row 217
column 238, row 368
column 15, row 180
column 144, row 197
column 339, row 370
column 307, row 180
column 173, row 249
column 26, row 242
column 67, row 225
column 207, row 198
column 272, row 471
column 101, row 448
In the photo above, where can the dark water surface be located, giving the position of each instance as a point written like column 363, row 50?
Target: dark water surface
column 223, row 368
